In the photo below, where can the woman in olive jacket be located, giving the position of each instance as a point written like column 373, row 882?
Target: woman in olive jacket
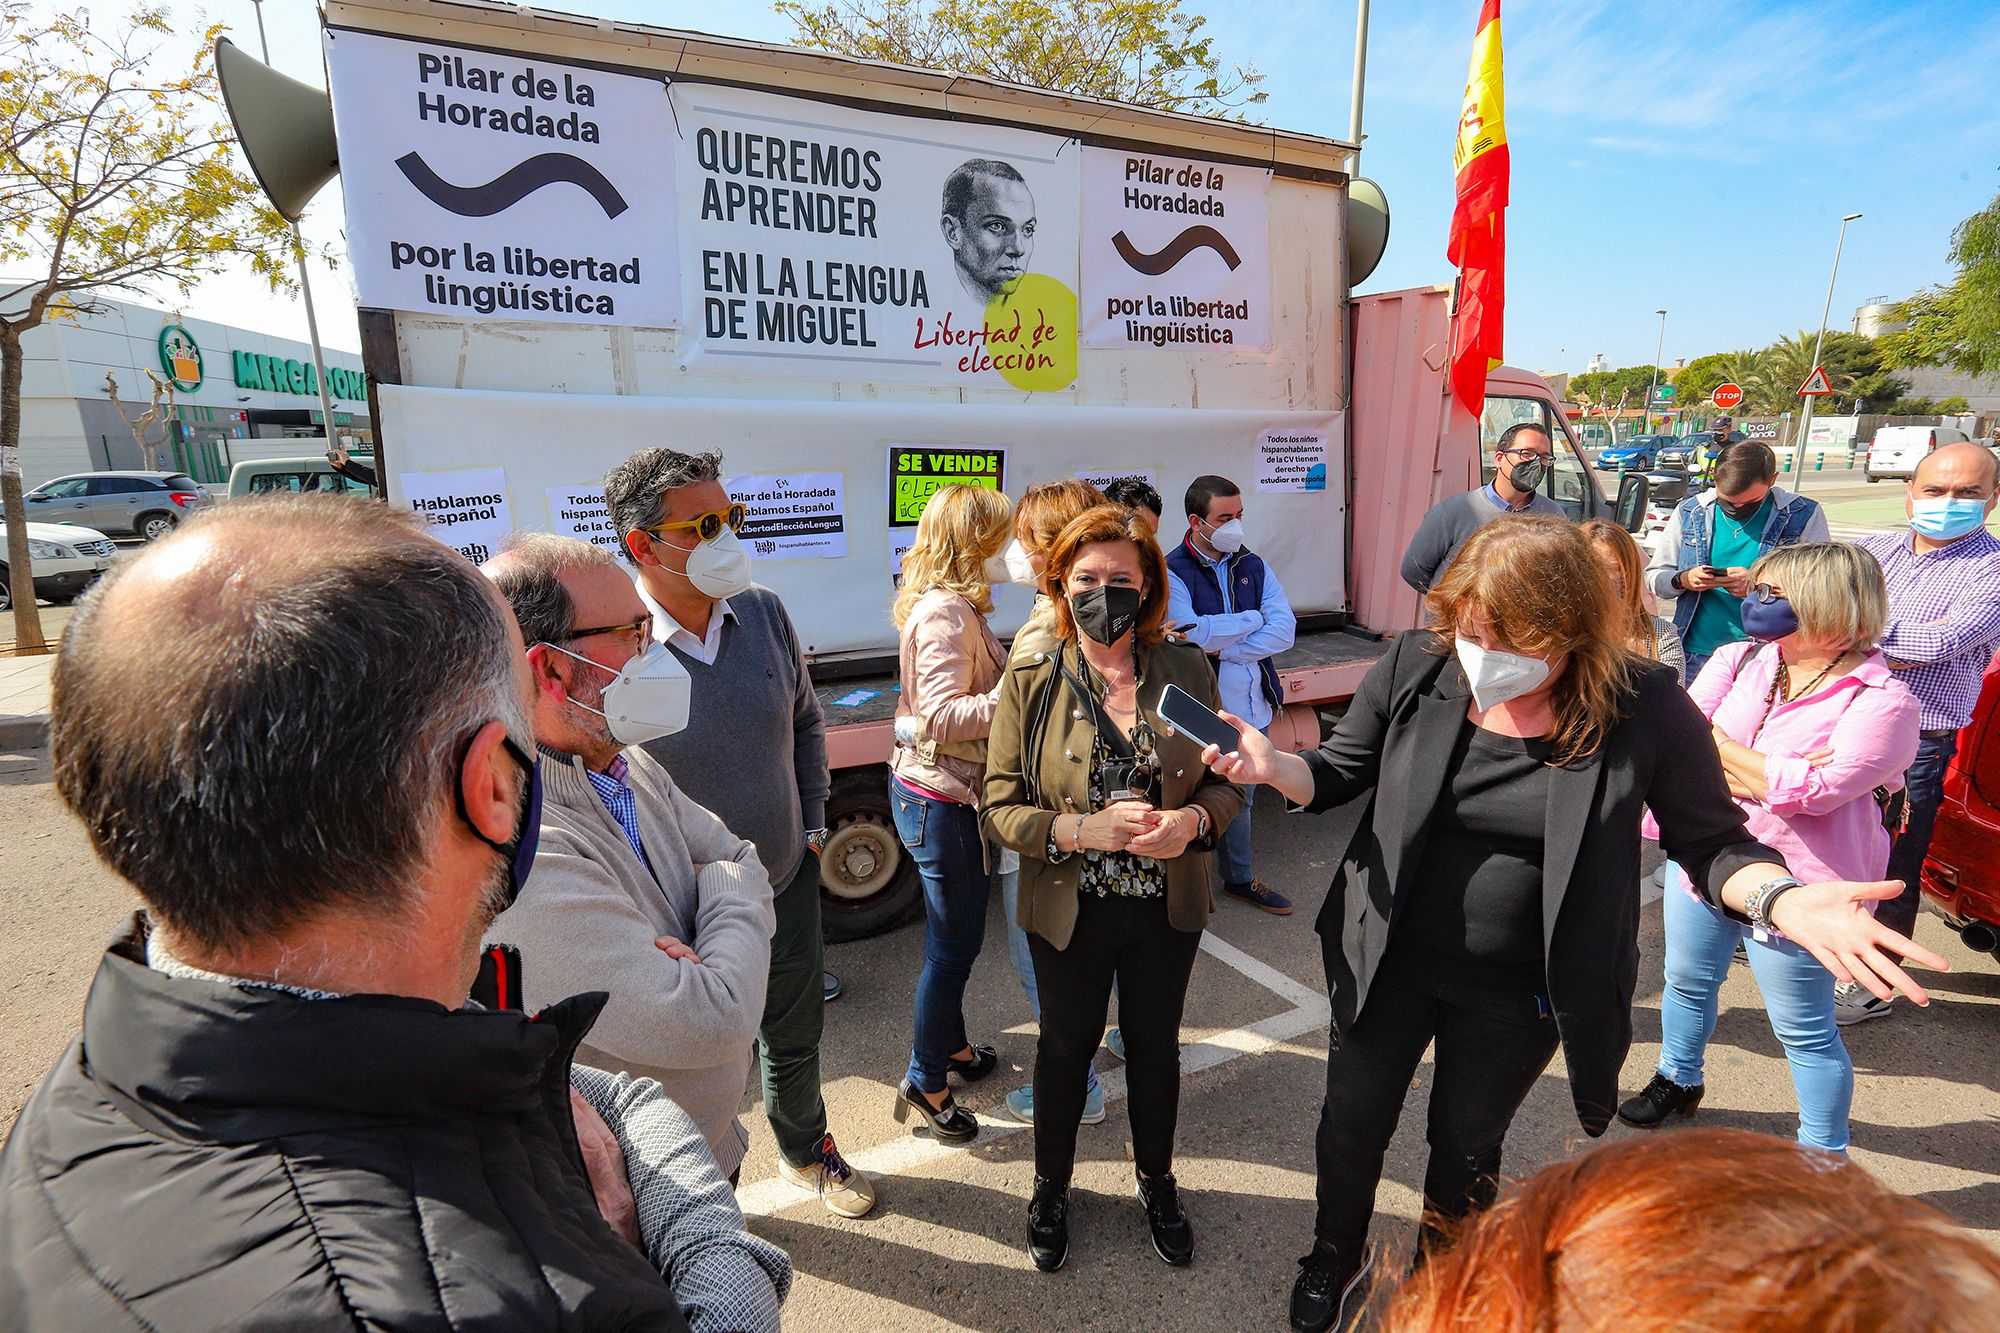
column 1113, row 815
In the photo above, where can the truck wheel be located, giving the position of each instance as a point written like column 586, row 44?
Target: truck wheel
column 867, row 883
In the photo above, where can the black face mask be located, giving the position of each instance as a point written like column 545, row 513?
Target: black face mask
column 1527, row 476
column 1739, row 512
column 519, row 849
column 1106, row 613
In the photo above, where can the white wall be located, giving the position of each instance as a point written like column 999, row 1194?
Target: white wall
column 52, row 439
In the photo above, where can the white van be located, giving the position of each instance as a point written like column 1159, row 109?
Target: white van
column 1898, row 449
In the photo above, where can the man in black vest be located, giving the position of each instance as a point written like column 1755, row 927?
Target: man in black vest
column 282, row 1112
column 1229, row 603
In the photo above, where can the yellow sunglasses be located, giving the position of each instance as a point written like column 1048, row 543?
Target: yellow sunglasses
column 708, row 526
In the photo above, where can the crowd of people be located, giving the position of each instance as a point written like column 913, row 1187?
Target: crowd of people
column 478, row 1059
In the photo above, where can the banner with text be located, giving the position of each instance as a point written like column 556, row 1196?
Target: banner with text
column 1175, row 253
column 504, row 187
column 822, row 241
column 919, row 471
column 580, row 512
column 466, row 510
column 800, row 515
column 1291, row 460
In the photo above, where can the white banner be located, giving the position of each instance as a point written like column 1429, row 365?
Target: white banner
column 801, row 515
column 822, row 241
column 1291, row 460
column 505, row 187
column 465, row 510
column 1175, row 253
column 579, row 512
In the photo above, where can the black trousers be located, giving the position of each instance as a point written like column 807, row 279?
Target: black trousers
column 1491, row 1047
column 1131, row 940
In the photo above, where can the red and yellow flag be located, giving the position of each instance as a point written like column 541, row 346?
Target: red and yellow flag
column 1478, row 244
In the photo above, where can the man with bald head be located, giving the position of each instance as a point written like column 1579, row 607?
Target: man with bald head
column 283, row 1112
column 1944, row 623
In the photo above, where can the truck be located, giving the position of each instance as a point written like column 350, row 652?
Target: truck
column 574, row 237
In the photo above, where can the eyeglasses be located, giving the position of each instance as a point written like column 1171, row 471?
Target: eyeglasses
column 1521, row 454
column 1765, row 592
column 641, row 631
column 708, row 526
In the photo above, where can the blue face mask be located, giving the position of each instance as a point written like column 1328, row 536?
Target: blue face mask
column 1946, row 518
column 1769, row 621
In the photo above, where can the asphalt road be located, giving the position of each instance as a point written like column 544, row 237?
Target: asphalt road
column 945, row 1247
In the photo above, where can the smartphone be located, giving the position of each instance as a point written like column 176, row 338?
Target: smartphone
column 1714, row 572
column 1196, row 720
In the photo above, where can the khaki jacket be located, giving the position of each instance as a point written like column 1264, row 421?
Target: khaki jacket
column 1031, row 689
column 949, row 664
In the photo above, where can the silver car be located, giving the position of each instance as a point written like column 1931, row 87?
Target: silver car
column 143, row 504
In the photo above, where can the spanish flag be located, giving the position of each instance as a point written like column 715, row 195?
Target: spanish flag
column 1478, row 244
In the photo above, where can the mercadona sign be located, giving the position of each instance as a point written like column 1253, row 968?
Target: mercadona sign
column 275, row 374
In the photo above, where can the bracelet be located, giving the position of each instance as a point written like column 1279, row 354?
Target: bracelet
column 1758, row 905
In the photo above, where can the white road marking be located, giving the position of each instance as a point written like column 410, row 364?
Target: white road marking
column 910, row 1153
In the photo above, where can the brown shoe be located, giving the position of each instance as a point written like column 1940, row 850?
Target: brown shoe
column 1261, row 896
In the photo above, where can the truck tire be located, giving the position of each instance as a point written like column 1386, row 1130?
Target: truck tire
column 868, row 883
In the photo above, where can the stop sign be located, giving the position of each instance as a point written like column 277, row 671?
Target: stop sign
column 1728, row 397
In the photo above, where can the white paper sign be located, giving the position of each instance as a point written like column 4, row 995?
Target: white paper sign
column 467, row 511
column 1102, row 478
column 1175, row 253
column 1291, row 460
column 823, row 241
column 900, row 542
column 504, row 187
column 796, row 516
column 579, row 512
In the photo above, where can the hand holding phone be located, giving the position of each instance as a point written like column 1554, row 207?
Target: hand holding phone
column 1196, row 720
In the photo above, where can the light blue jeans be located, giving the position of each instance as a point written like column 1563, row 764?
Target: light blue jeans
column 1232, row 849
column 1798, row 999
column 1024, row 963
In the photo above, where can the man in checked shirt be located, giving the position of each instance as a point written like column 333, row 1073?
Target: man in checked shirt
column 1944, row 623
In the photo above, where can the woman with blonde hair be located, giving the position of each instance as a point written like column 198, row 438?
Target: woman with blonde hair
column 1647, row 634
column 1814, row 732
column 1488, row 901
column 950, row 670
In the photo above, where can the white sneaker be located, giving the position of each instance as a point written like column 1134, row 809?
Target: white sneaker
column 1856, row 1004
column 840, row 1187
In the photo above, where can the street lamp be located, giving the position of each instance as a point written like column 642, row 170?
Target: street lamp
column 1806, row 416
column 1651, row 389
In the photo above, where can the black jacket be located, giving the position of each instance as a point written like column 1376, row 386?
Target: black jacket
column 1396, row 742
column 217, row 1157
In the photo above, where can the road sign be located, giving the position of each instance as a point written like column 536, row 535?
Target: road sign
column 1816, row 385
column 1663, row 396
column 1728, row 397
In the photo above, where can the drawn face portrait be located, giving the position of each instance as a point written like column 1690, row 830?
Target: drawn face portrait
column 994, row 238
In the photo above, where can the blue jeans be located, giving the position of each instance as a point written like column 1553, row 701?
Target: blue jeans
column 1925, row 783
column 943, row 839
column 1798, row 999
column 1232, row 849
column 1024, row 961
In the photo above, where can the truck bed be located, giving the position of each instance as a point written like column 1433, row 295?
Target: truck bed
column 1322, row 667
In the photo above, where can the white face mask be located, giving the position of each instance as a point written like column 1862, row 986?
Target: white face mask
column 648, row 699
column 1498, row 676
column 1227, row 537
column 1020, row 565
column 996, row 568
column 718, row 569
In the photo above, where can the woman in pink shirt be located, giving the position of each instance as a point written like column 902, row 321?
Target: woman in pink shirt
column 1810, row 722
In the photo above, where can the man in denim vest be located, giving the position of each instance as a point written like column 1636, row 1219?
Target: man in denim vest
column 1702, row 557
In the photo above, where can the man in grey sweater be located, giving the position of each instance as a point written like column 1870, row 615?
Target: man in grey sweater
column 637, row 891
column 1520, row 461
column 754, row 752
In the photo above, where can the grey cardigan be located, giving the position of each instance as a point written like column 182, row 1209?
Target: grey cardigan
column 590, row 911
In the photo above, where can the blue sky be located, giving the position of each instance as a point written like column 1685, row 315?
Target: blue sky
column 1695, row 155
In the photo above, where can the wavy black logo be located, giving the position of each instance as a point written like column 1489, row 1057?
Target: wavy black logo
column 1174, row 251
column 513, row 185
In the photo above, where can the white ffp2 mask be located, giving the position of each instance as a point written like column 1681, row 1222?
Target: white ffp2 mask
column 648, row 699
column 718, row 569
column 1020, row 565
column 1498, row 676
column 1227, row 537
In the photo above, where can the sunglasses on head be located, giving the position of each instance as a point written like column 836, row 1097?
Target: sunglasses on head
column 707, row 526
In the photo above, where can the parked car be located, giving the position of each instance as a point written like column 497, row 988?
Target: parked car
column 1897, row 450
column 63, row 558
column 1639, row 453
column 1961, row 875
column 1697, row 453
column 294, row 476
column 143, row 504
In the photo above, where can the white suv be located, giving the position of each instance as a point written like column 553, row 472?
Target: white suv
column 1897, row 450
column 64, row 560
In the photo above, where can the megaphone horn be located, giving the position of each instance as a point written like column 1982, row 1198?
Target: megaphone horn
column 284, row 127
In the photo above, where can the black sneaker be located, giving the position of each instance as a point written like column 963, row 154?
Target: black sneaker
column 1660, row 1099
column 1048, row 1225
column 1330, row 1290
column 1173, row 1235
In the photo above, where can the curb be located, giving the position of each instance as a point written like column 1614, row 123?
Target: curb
column 24, row 733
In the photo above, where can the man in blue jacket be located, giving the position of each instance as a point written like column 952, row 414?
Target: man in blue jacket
column 1229, row 603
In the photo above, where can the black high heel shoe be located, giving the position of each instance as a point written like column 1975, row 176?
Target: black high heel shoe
column 983, row 1062
column 950, row 1123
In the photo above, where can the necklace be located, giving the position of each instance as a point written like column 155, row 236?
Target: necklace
column 1781, row 683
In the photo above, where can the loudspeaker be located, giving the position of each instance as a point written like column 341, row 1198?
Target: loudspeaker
column 285, row 127
column 1367, row 228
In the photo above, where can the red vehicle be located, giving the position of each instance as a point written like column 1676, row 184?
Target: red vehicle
column 1962, row 872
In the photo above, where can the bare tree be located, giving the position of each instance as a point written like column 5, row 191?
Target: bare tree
column 142, row 425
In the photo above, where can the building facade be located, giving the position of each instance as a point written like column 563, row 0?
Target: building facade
column 231, row 394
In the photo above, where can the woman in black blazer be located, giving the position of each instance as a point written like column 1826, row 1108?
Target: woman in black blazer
column 1489, row 899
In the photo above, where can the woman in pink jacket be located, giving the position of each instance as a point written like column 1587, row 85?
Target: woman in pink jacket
column 1814, row 731
column 950, row 667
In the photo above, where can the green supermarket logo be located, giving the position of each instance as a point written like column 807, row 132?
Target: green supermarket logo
column 180, row 357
